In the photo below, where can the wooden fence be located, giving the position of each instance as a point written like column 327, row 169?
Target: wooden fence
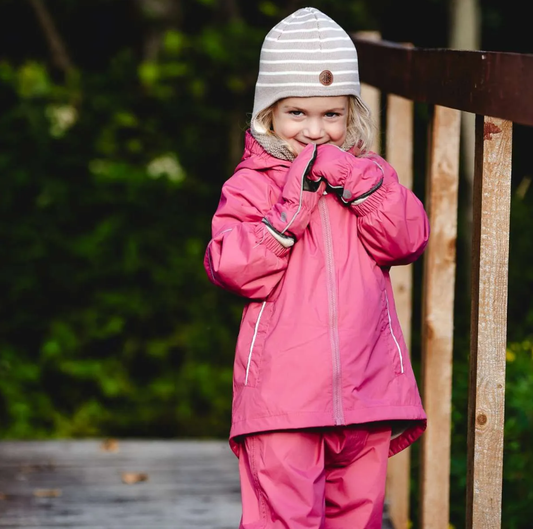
column 496, row 88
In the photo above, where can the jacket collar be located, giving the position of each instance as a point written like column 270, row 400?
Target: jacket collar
column 255, row 157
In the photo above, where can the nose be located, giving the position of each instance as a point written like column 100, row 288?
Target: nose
column 313, row 129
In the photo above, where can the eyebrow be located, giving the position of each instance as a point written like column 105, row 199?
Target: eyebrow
column 295, row 107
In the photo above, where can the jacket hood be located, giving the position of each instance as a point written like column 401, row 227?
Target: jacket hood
column 255, row 157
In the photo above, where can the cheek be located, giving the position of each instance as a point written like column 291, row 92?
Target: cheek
column 285, row 129
column 338, row 133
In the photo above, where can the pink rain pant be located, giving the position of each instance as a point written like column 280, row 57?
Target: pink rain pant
column 330, row 478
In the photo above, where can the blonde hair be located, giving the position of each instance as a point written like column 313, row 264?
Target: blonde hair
column 360, row 127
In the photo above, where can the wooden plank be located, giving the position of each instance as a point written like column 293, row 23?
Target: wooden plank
column 490, row 255
column 437, row 315
column 399, row 145
column 76, row 484
column 190, row 484
column 399, row 153
column 371, row 95
column 480, row 82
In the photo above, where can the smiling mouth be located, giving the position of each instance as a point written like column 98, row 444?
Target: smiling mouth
column 313, row 142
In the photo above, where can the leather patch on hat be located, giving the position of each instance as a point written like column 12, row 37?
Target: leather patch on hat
column 326, row 77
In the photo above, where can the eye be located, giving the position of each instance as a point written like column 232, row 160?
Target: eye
column 332, row 114
column 296, row 112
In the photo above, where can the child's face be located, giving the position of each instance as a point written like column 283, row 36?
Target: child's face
column 303, row 120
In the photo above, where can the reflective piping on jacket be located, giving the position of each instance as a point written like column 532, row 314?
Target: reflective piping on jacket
column 253, row 342
column 309, row 163
column 338, row 414
column 392, row 332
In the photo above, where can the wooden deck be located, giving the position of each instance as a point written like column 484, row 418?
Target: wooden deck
column 80, row 484
column 93, row 484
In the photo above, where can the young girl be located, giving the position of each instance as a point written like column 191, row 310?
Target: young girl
column 306, row 231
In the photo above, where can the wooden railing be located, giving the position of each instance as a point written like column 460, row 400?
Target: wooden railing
column 496, row 88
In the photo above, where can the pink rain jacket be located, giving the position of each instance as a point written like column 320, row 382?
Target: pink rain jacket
column 319, row 343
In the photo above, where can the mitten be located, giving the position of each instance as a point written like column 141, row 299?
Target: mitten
column 300, row 195
column 351, row 178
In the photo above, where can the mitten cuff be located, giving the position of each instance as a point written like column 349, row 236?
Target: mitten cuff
column 290, row 220
column 371, row 202
column 270, row 239
column 285, row 241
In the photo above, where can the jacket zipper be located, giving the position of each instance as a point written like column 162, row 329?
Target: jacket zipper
column 338, row 414
column 253, row 342
column 392, row 332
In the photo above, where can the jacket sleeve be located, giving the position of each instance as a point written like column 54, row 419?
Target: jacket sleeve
column 243, row 256
column 393, row 224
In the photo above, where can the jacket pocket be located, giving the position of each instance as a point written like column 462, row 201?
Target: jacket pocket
column 251, row 342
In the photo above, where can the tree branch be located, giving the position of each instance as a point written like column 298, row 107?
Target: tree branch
column 60, row 56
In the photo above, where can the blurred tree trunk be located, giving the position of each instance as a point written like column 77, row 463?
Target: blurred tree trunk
column 163, row 14
column 465, row 34
column 228, row 12
column 58, row 49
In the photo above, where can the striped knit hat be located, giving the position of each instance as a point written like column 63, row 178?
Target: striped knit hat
column 306, row 54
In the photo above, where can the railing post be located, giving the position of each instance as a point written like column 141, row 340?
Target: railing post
column 399, row 153
column 490, row 255
column 438, row 315
column 371, row 95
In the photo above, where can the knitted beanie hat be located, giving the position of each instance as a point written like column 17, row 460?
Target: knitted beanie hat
column 306, row 54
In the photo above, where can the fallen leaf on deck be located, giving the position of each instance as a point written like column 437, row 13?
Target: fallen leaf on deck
column 133, row 477
column 109, row 445
column 47, row 493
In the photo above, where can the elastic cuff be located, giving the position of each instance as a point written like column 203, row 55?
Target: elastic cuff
column 286, row 242
column 371, row 203
column 265, row 236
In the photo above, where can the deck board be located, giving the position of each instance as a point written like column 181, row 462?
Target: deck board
column 191, row 484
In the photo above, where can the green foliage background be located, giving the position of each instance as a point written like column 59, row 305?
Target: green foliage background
column 111, row 170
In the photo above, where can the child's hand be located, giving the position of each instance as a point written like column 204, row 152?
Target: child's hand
column 300, row 176
column 332, row 165
column 290, row 216
column 349, row 177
